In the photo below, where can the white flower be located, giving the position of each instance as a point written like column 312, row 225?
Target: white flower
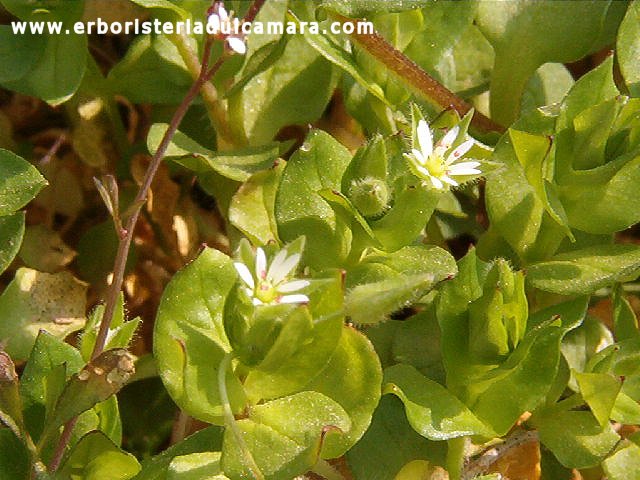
column 273, row 285
column 221, row 25
column 437, row 163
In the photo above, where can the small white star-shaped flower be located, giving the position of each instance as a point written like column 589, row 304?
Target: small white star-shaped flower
column 273, row 285
column 438, row 163
column 220, row 25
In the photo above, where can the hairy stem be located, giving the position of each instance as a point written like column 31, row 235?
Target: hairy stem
column 230, row 420
column 423, row 84
column 456, row 456
column 62, row 444
column 215, row 108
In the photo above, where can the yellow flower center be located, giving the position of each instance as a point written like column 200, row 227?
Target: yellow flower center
column 436, row 166
column 266, row 292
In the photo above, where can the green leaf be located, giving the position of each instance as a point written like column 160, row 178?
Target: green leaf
column 294, row 90
column 514, row 207
column 356, row 360
column 537, row 33
column 591, row 89
column 203, row 441
column 48, row 355
column 48, row 10
column 576, row 438
column 521, row 383
column 624, row 318
column 19, row 182
column 600, row 391
column 301, row 211
column 603, row 205
column 292, row 426
column 18, row 53
column 549, row 85
column 10, row 401
column 103, row 417
column 371, row 457
column 152, row 71
column 304, row 345
column 581, row 344
column 101, row 378
column 382, row 284
column 46, row 79
column 147, row 414
column 585, row 271
column 363, row 8
column 166, row 5
column 237, row 165
column 36, row 301
column 336, row 54
column 263, row 58
column 196, row 466
column 189, row 337
column 120, row 331
column 402, row 224
column 628, row 48
column 11, row 234
column 532, row 152
column 95, row 457
column 252, row 207
column 625, row 410
column 624, row 463
column 416, row 341
column 15, row 461
column 432, row 410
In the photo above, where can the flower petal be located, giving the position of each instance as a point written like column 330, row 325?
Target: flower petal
column 299, row 298
column 423, row 171
column 449, row 138
column 214, row 23
column 448, row 180
column 237, row 45
column 464, row 168
column 222, row 12
column 245, row 274
column 257, row 302
column 276, row 263
column 425, row 139
column 418, row 156
column 465, row 171
column 277, row 273
column 261, row 264
column 459, row 151
column 293, row 286
column 436, row 182
column 473, row 164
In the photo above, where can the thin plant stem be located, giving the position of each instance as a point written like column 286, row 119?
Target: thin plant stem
column 423, row 84
column 62, row 444
column 126, row 234
column 230, row 420
column 215, row 108
column 456, row 456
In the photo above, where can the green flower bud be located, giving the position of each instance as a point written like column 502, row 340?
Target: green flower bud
column 369, row 195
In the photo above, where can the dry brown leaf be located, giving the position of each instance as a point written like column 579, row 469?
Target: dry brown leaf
column 162, row 200
column 44, row 250
column 522, row 462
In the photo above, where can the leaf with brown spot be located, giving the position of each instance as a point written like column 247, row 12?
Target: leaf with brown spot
column 36, row 300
